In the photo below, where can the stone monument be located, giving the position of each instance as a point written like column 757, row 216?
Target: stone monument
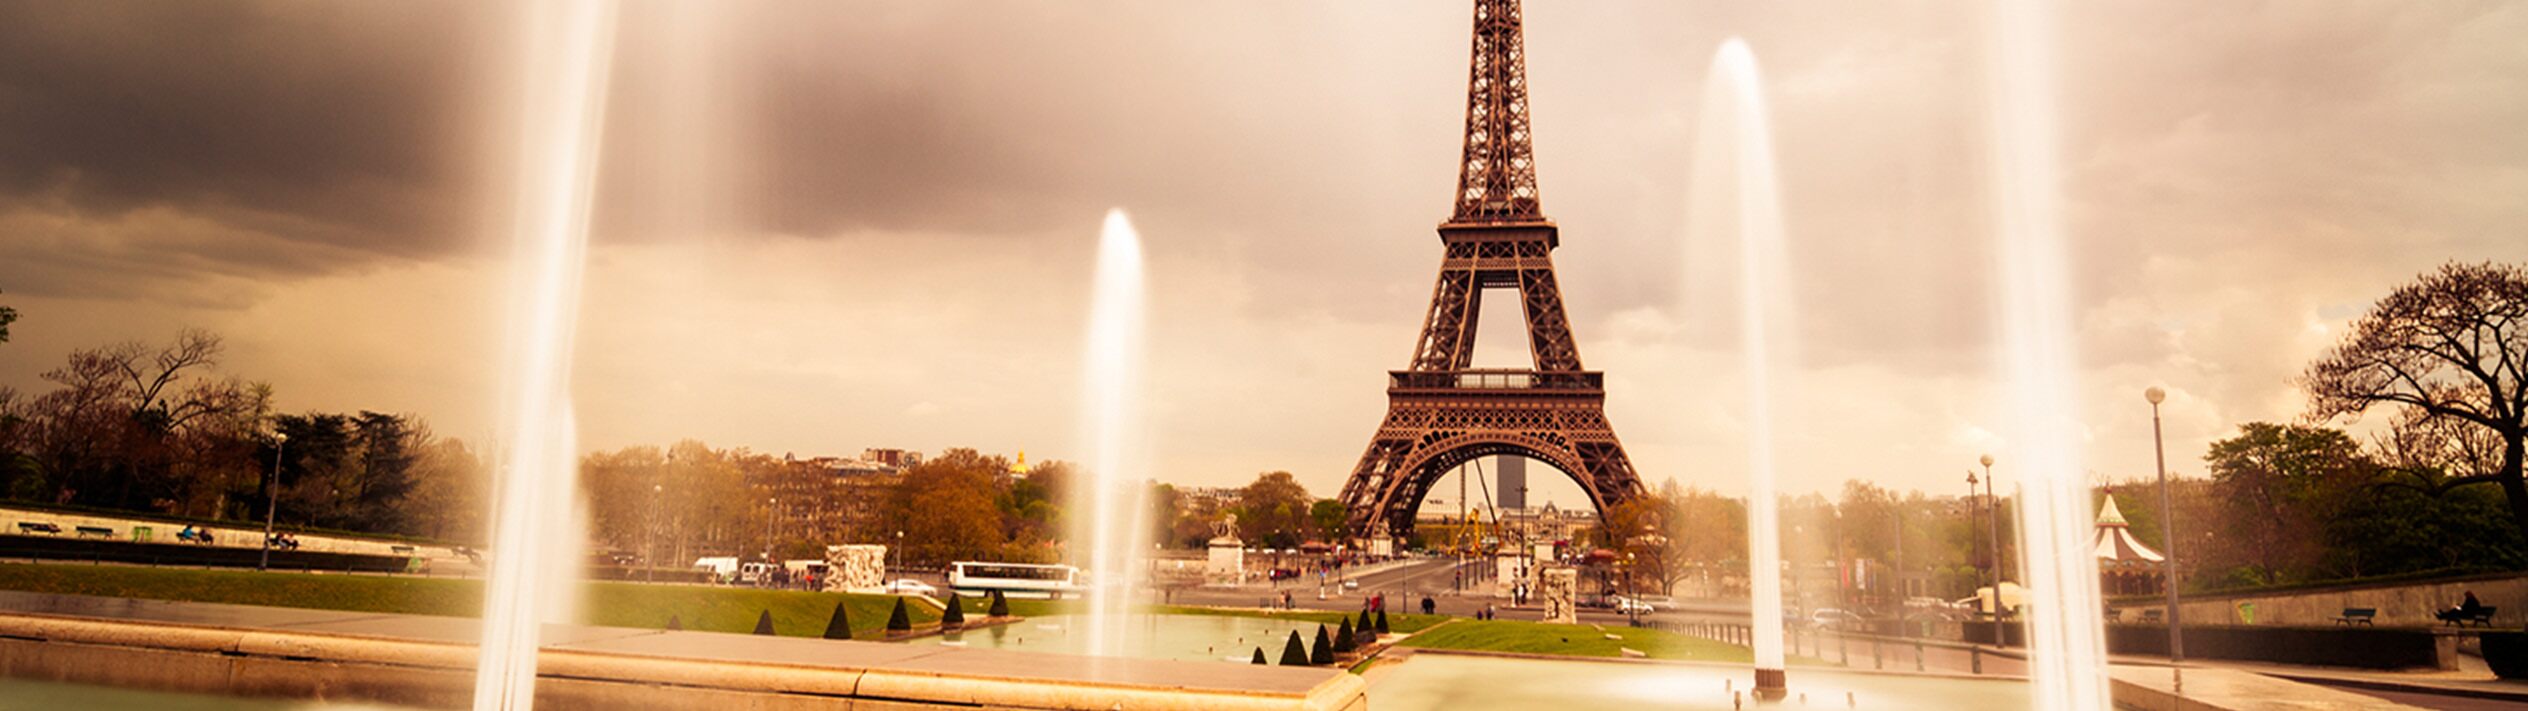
column 856, row 568
column 1561, row 589
column 1511, row 571
column 1228, row 555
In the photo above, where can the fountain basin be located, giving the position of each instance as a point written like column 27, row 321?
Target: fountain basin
column 1186, row 638
column 1431, row 680
column 429, row 661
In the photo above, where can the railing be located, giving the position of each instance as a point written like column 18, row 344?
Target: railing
column 1495, row 379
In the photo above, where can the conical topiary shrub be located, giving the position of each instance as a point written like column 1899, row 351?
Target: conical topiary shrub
column 1382, row 622
column 1000, row 604
column 900, row 620
column 1363, row 625
column 1259, row 657
column 1295, row 652
column 840, row 626
column 955, row 614
column 1344, row 637
column 763, row 623
column 1324, row 652
column 675, row 623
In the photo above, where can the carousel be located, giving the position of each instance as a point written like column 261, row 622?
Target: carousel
column 2125, row 566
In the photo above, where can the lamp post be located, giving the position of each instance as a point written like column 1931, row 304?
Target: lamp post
column 1971, row 520
column 2168, row 530
column 649, row 535
column 1992, row 517
column 772, row 515
column 272, row 497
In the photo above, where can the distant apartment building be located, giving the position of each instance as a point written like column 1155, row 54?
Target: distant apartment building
column 897, row 459
column 1207, row 501
column 833, row 499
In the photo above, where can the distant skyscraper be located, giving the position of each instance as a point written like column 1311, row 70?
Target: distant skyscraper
column 1512, row 493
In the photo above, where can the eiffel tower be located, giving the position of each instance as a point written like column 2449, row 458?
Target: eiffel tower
column 1442, row 412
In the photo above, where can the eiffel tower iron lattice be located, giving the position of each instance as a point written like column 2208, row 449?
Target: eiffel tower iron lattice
column 1442, row 412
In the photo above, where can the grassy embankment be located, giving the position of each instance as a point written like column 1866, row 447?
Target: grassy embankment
column 612, row 604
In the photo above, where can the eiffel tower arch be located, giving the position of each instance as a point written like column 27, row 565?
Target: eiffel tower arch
column 1441, row 411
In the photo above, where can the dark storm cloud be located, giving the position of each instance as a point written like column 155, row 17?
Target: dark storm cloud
column 338, row 126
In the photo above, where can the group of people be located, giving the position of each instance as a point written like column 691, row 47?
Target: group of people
column 282, row 540
column 195, row 535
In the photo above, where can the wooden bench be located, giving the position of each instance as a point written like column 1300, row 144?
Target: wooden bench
column 401, row 550
column 43, row 527
column 95, row 532
column 2482, row 617
column 2152, row 615
column 2357, row 616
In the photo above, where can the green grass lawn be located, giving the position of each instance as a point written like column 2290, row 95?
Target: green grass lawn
column 611, row 604
column 1573, row 640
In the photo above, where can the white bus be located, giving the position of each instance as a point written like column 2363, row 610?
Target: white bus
column 1020, row 580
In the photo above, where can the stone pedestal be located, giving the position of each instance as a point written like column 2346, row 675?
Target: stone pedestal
column 1227, row 566
column 856, row 568
column 1559, row 589
column 1511, row 570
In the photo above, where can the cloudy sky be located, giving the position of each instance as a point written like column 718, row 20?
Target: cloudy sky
column 830, row 226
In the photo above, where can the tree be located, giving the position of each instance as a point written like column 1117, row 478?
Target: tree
column 1641, row 529
column 2281, row 483
column 2452, row 346
column 1273, row 509
column 1326, row 515
column 7, row 316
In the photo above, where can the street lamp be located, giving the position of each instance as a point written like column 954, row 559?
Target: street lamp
column 272, row 497
column 1971, row 519
column 1992, row 516
column 649, row 535
column 2168, row 530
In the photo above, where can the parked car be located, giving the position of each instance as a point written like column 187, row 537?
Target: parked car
column 1628, row 605
column 1657, row 602
column 909, row 586
column 1831, row 618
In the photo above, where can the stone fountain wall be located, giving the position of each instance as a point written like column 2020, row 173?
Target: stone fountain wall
column 856, row 568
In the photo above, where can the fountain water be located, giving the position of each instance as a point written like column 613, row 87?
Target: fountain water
column 1110, row 493
column 1734, row 125
column 571, row 47
column 2066, row 636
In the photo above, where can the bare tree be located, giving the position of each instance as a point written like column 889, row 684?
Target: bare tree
column 2450, row 350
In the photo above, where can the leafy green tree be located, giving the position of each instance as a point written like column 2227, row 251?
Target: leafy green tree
column 2281, row 483
column 2451, row 346
column 1327, row 517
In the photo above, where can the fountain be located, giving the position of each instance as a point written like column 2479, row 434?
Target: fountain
column 532, row 568
column 1735, row 127
column 2066, row 635
column 1110, row 400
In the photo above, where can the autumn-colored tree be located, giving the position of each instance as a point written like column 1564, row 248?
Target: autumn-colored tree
column 2451, row 347
column 1274, row 509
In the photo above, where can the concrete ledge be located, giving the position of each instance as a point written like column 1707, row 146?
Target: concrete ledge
column 606, row 668
column 2208, row 689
